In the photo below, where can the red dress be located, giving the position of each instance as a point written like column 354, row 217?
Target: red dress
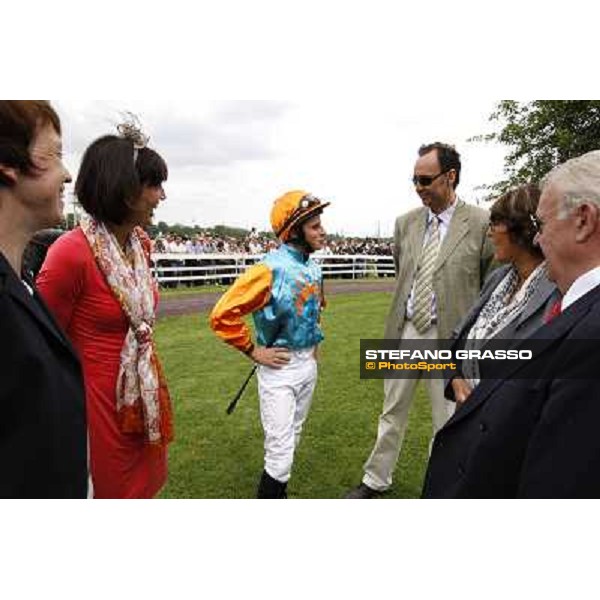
column 122, row 465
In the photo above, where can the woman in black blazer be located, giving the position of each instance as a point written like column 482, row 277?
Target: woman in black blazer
column 43, row 440
column 517, row 298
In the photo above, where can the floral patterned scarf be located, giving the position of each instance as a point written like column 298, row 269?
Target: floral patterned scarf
column 505, row 304
column 143, row 401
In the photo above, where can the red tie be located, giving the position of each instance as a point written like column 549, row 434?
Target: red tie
column 554, row 311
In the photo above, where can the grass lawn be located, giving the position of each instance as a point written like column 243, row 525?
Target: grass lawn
column 184, row 290
column 219, row 456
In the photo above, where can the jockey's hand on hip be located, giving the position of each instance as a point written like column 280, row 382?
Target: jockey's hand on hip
column 271, row 357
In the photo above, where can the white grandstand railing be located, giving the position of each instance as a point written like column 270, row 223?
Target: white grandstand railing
column 180, row 268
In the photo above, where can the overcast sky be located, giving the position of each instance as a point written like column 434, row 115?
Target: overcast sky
column 228, row 160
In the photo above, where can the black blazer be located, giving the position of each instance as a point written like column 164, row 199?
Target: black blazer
column 531, row 437
column 43, row 437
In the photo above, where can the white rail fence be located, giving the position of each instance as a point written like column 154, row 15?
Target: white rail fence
column 197, row 269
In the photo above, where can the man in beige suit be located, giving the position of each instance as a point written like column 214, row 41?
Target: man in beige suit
column 442, row 254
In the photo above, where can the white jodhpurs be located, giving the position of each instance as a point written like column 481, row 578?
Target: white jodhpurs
column 285, row 397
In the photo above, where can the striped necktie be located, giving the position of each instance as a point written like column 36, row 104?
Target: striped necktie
column 424, row 282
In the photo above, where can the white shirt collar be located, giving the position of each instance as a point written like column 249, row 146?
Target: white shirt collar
column 444, row 217
column 581, row 286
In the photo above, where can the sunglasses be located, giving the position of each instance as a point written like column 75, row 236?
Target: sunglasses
column 426, row 180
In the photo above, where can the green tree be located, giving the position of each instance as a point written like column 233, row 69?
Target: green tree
column 162, row 227
column 226, row 231
column 542, row 134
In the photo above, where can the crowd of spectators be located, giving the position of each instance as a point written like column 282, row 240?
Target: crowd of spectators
column 191, row 272
column 256, row 243
column 210, row 243
column 367, row 246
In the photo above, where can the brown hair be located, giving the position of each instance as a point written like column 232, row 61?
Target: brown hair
column 108, row 177
column 515, row 208
column 448, row 158
column 20, row 120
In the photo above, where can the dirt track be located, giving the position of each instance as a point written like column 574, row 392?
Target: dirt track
column 192, row 303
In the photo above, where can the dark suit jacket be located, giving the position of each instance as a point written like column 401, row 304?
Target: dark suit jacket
column 534, row 315
column 531, row 437
column 43, row 437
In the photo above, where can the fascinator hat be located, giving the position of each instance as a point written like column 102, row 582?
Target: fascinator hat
column 131, row 129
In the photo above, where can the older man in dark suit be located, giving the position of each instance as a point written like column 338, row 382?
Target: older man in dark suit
column 442, row 255
column 533, row 432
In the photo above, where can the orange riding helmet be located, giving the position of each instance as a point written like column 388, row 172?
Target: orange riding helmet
column 292, row 209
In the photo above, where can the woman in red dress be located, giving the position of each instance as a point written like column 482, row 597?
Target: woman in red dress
column 97, row 281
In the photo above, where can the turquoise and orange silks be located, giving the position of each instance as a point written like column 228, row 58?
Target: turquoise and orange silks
column 284, row 294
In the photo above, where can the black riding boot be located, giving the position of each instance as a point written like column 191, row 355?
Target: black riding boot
column 269, row 488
